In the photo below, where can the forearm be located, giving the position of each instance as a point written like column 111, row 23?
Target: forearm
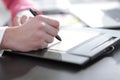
column 15, row 6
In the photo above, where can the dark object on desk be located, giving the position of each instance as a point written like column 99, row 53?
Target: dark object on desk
column 35, row 13
column 54, row 12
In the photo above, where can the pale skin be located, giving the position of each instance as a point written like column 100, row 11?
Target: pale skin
column 33, row 34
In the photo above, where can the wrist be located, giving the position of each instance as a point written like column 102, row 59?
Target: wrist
column 7, row 42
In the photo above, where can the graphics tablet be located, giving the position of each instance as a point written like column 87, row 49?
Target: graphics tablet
column 77, row 47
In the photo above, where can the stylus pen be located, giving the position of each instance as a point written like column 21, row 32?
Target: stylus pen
column 35, row 14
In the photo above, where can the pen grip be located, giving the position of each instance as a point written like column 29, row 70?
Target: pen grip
column 35, row 14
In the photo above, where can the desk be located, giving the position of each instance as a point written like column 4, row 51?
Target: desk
column 16, row 67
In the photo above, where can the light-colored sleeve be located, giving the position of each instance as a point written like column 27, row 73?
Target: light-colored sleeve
column 2, row 31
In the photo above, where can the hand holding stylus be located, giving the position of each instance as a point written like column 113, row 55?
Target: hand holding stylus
column 35, row 14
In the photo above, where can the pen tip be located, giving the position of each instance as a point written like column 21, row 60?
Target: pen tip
column 58, row 37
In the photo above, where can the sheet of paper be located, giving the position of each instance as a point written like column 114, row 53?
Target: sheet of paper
column 71, row 39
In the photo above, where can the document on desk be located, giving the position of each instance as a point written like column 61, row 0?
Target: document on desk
column 71, row 39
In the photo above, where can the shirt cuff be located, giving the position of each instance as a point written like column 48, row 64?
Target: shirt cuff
column 2, row 31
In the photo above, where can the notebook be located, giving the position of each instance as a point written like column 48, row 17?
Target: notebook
column 98, row 15
column 77, row 47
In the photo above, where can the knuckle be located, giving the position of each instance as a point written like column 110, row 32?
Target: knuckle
column 40, row 36
column 41, row 25
column 57, row 24
column 55, row 32
column 38, row 17
column 51, row 40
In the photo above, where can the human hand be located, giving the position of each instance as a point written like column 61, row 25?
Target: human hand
column 20, row 20
column 22, row 17
column 36, row 33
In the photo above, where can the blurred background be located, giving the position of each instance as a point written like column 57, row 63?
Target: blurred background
column 46, row 5
column 65, row 5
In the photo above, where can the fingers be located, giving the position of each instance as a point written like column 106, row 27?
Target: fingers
column 50, row 26
column 49, row 21
column 48, row 38
column 16, row 21
column 49, row 29
column 43, row 45
column 20, row 20
column 25, row 19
